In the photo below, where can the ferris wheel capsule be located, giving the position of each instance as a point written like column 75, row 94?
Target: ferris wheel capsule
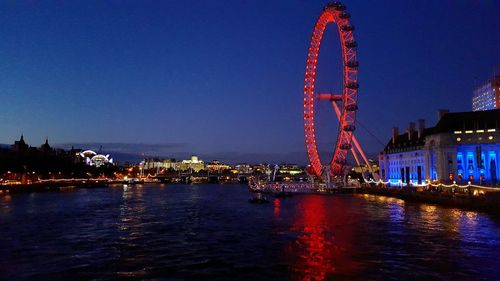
column 332, row 13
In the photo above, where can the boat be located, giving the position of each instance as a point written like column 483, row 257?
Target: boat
column 282, row 189
column 258, row 198
column 134, row 181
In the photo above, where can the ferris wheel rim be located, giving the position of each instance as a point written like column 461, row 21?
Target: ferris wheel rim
column 332, row 13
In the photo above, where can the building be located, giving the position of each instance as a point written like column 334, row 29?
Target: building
column 193, row 164
column 46, row 147
column 20, row 145
column 463, row 147
column 92, row 158
column 403, row 158
column 487, row 96
column 243, row 168
column 156, row 163
column 290, row 169
column 261, row 169
column 365, row 170
column 216, row 166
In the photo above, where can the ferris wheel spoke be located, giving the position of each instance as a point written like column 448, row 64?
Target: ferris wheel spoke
column 332, row 13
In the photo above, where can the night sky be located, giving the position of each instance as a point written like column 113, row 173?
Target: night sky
column 224, row 79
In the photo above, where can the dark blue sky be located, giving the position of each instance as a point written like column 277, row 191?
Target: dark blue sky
column 224, row 78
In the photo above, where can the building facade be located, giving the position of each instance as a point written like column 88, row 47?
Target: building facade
column 403, row 159
column 216, row 166
column 487, row 96
column 463, row 147
column 193, row 164
column 156, row 163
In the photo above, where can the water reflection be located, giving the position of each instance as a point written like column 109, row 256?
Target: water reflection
column 277, row 204
column 131, row 228
column 5, row 206
column 211, row 232
column 324, row 239
column 382, row 199
column 331, row 234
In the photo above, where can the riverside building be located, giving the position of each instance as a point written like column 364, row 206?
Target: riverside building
column 193, row 164
column 463, row 147
column 487, row 96
column 216, row 166
column 157, row 163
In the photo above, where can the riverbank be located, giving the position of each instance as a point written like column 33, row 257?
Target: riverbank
column 473, row 200
column 52, row 186
column 65, row 185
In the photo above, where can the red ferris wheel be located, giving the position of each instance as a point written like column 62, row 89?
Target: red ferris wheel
column 345, row 103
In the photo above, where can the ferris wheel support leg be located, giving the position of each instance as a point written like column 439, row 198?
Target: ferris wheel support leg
column 355, row 156
column 362, row 153
column 376, row 177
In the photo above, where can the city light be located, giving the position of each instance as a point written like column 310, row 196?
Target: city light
column 224, row 140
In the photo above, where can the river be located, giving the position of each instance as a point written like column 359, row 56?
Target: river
column 212, row 232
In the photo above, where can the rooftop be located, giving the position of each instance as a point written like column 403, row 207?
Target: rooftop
column 449, row 123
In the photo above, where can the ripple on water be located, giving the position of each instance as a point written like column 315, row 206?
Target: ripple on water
column 211, row 232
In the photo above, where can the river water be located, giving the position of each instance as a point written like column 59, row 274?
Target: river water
column 212, row 232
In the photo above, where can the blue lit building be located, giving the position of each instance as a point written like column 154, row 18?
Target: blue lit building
column 462, row 147
column 403, row 160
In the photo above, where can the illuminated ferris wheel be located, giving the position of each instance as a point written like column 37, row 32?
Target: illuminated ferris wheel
column 344, row 104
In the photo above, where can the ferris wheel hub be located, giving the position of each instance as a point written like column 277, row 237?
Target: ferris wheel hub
column 345, row 104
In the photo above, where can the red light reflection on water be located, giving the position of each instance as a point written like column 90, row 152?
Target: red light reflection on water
column 325, row 238
column 277, row 204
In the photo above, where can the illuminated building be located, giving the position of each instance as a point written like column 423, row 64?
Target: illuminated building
column 290, row 169
column 403, row 158
column 243, row 168
column 462, row 147
column 194, row 164
column 261, row 168
column 155, row 163
column 92, row 158
column 487, row 96
column 363, row 169
column 216, row 167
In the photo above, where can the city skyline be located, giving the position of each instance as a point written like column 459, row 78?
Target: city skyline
column 225, row 79
column 250, row 140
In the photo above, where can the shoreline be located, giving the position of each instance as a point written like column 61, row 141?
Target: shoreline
column 50, row 186
column 54, row 186
column 488, row 202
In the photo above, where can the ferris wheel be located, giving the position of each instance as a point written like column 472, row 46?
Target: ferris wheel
column 344, row 103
